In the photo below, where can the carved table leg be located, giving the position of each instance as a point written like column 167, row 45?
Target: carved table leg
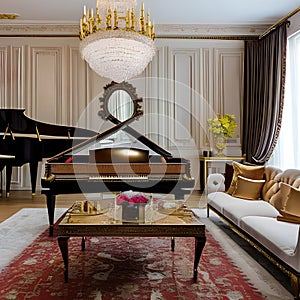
column 199, row 245
column 172, row 244
column 83, row 243
column 63, row 246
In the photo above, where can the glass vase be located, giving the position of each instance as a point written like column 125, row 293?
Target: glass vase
column 133, row 213
column 220, row 144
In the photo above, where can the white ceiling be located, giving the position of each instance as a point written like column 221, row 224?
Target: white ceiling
column 162, row 11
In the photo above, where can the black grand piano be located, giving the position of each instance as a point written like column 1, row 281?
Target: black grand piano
column 29, row 141
column 147, row 168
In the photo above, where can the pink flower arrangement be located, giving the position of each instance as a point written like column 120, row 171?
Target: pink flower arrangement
column 131, row 197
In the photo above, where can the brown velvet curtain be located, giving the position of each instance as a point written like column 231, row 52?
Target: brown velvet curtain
column 264, row 72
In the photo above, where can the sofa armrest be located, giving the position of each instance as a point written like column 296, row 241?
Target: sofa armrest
column 215, row 183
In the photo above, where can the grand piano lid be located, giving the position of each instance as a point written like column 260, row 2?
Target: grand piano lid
column 108, row 113
column 97, row 138
column 15, row 122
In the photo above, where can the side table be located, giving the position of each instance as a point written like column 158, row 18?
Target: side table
column 206, row 162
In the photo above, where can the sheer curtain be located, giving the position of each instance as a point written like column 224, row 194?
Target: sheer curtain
column 287, row 151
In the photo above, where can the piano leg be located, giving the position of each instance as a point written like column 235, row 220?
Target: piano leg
column 33, row 174
column 1, row 179
column 8, row 178
column 51, row 207
column 179, row 194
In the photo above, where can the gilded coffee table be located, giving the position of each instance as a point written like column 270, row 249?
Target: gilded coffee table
column 180, row 223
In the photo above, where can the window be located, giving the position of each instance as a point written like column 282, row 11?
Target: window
column 287, row 151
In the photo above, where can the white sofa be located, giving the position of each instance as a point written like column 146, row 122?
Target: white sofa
column 256, row 220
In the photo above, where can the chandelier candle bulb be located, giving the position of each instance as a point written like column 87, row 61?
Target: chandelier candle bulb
column 81, row 29
column 115, row 19
column 132, row 19
column 128, row 20
column 152, row 30
column 142, row 24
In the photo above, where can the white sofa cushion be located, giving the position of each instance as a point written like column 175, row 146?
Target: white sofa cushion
column 236, row 208
column 281, row 238
column 241, row 208
column 219, row 199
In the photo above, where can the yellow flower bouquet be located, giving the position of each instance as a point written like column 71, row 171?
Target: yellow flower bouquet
column 222, row 128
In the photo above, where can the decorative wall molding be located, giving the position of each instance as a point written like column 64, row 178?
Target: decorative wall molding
column 47, row 87
column 222, row 31
column 226, row 31
column 42, row 28
column 3, row 76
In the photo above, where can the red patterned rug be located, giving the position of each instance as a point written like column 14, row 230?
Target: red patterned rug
column 124, row 268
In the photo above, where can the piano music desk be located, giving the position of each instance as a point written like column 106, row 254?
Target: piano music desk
column 184, row 224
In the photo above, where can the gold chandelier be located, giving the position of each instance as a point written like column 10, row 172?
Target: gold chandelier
column 115, row 42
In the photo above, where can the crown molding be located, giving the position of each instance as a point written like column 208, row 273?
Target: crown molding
column 209, row 30
column 36, row 28
column 17, row 28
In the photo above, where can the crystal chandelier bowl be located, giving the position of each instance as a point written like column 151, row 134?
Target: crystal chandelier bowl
column 117, row 55
column 115, row 42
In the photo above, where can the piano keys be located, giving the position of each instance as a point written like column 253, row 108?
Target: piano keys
column 29, row 141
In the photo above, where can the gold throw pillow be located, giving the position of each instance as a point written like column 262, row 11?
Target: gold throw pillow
column 279, row 199
column 252, row 172
column 292, row 204
column 247, row 188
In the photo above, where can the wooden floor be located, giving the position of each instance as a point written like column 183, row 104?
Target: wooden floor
column 23, row 199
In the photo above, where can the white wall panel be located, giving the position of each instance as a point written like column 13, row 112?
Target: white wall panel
column 150, row 104
column 12, row 76
column 183, row 62
column 12, row 88
column 229, row 89
column 206, row 95
column 3, row 76
column 46, row 83
column 155, row 99
column 17, row 87
column 77, row 100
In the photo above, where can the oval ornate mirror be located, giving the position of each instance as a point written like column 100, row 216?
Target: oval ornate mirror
column 119, row 102
column 120, row 105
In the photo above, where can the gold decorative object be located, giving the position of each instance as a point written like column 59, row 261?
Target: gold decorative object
column 220, row 143
column 9, row 16
column 114, row 41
